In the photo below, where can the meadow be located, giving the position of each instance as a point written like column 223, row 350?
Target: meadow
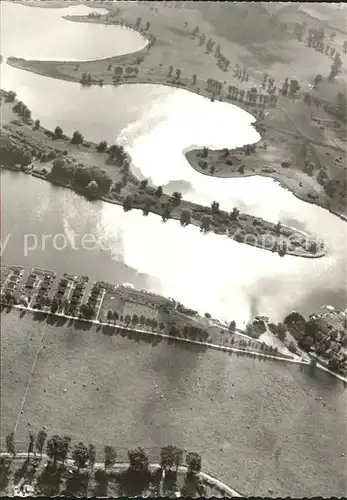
column 260, row 426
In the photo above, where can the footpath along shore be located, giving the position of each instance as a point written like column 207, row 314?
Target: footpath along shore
column 124, row 465
column 166, row 336
column 285, row 358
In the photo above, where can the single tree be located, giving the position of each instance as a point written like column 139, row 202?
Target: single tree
column 177, row 197
column 110, row 456
column 54, row 448
column 77, row 138
column 127, row 203
column 80, row 456
column 318, row 79
column 58, row 132
column 205, row 223
column 31, row 443
column 102, row 146
column 10, row 444
column 232, row 326
column 159, row 191
column 193, row 461
column 167, row 456
column 166, row 213
column 138, row 460
column 215, row 206
column 185, row 218
column 37, row 124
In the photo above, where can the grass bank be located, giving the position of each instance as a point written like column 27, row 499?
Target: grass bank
column 105, row 173
column 315, row 170
column 250, row 402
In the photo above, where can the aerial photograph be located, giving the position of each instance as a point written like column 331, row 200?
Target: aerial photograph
column 173, row 249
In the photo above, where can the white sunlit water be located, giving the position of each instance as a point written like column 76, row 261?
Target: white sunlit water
column 210, row 273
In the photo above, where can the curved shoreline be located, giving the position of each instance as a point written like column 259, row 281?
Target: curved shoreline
column 82, row 192
column 30, row 67
column 278, row 180
column 73, row 18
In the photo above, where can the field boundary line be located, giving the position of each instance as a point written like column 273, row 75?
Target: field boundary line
column 30, row 377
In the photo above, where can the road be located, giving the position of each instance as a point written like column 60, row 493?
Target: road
column 124, row 465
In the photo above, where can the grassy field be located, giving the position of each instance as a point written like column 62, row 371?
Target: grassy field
column 247, row 39
column 259, row 425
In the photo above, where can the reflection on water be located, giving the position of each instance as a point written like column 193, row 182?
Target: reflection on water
column 209, row 273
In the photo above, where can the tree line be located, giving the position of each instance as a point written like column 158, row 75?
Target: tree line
column 136, row 479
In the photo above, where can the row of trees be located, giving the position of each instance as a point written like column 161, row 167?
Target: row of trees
column 130, row 201
column 241, row 73
column 92, row 178
column 222, row 61
column 315, row 39
column 189, row 331
column 251, row 96
column 136, row 478
column 119, row 71
column 291, row 87
column 135, row 320
column 177, row 74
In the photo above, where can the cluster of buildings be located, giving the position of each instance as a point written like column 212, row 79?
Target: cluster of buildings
column 39, row 281
column 95, row 296
column 10, row 279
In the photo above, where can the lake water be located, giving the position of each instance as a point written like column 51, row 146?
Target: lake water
column 156, row 124
column 47, row 36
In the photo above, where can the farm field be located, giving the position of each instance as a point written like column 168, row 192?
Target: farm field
column 274, row 427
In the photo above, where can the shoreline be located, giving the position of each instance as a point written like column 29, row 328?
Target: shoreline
column 20, row 64
column 240, row 227
column 207, row 345
column 275, row 178
column 124, row 465
column 82, row 192
column 163, row 335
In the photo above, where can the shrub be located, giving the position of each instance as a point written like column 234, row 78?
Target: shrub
column 117, row 187
column 292, row 347
column 102, row 146
column 58, row 132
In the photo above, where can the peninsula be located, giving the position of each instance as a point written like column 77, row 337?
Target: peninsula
column 102, row 171
column 302, row 120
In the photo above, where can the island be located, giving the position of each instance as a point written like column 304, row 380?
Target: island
column 102, row 171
